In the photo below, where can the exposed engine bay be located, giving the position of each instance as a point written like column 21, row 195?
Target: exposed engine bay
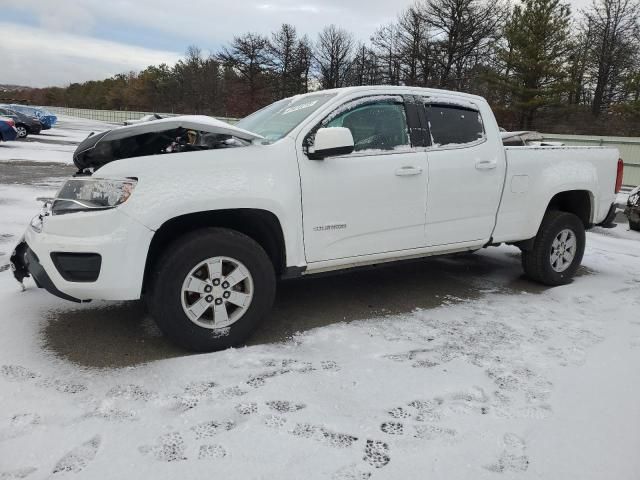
column 154, row 143
column 159, row 137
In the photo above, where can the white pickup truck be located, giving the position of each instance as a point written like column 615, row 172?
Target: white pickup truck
column 201, row 217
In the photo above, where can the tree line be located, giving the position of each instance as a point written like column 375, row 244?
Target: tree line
column 539, row 64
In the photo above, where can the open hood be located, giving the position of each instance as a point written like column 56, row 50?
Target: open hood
column 167, row 135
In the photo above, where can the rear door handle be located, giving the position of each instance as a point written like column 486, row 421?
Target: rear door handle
column 486, row 164
column 408, row 170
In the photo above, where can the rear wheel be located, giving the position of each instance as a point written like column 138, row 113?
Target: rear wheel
column 22, row 131
column 211, row 289
column 633, row 225
column 557, row 250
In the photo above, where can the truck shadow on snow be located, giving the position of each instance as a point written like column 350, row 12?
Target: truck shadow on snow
column 123, row 335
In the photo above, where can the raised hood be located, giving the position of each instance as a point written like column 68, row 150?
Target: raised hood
column 155, row 137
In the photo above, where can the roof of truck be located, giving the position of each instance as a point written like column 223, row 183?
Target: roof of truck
column 400, row 89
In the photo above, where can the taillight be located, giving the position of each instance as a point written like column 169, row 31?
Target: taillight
column 11, row 123
column 619, row 175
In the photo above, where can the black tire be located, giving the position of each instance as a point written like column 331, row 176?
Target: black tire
column 634, row 225
column 537, row 261
column 164, row 295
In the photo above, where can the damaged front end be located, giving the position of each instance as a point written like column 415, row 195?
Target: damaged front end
column 19, row 262
column 159, row 137
column 25, row 263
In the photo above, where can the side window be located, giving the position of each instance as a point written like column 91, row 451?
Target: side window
column 378, row 125
column 454, row 125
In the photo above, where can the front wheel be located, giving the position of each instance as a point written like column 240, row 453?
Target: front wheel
column 211, row 288
column 557, row 249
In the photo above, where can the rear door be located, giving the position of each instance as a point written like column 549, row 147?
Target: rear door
column 372, row 200
column 466, row 173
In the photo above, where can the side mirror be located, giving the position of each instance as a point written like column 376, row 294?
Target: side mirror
column 331, row 141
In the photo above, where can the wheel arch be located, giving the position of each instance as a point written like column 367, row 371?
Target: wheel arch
column 578, row 202
column 261, row 225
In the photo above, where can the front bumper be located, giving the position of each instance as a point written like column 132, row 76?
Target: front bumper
column 62, row 257
column 26, row 263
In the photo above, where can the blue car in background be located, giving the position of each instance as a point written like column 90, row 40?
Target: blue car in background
column 8, row 130
column 47, row 119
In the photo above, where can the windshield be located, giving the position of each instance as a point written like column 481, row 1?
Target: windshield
column 276, row 120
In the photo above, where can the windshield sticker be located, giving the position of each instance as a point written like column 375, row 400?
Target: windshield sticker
column 299, row 107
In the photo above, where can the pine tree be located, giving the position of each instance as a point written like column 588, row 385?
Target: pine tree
column 535, row 56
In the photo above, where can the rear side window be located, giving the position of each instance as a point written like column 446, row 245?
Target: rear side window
column 454, row 125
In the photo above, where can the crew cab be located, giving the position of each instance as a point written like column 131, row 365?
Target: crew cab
column 201, row 218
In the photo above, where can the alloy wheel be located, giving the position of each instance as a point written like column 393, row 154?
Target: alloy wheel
column 563, row 250
column 217, row 292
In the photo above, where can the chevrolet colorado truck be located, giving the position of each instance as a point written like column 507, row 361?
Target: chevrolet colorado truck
column 201, row 218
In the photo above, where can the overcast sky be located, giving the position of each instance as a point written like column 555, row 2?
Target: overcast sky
column 55, row 42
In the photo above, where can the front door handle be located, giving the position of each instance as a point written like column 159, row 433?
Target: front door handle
column 408, row 170
column 486, row 164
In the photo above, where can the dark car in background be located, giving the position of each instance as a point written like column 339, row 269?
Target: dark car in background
column 8, row 130
column 633, row 209
column 47, row 119
column 25, row 124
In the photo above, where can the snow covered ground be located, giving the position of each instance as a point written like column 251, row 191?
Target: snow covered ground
column 498, row 379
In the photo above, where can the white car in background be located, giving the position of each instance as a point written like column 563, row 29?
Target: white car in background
column 201, row 218
column 144, row 118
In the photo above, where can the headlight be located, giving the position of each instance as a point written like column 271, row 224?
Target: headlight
column 90, row 194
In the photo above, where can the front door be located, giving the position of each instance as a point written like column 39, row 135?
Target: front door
column 372, row 200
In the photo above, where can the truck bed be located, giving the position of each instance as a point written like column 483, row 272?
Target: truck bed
column 532, row 180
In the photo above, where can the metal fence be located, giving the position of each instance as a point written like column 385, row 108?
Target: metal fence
column 629, row 148
column 114, row 116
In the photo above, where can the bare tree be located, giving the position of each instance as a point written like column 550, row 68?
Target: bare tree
column 387, row 47
column 614, row 29
column 334, row 56
column 283, row 48
column 303, row 62
column 414, row 46
column 462, row 29
column 249, row 56
column 579, row 59
column 365, row 69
